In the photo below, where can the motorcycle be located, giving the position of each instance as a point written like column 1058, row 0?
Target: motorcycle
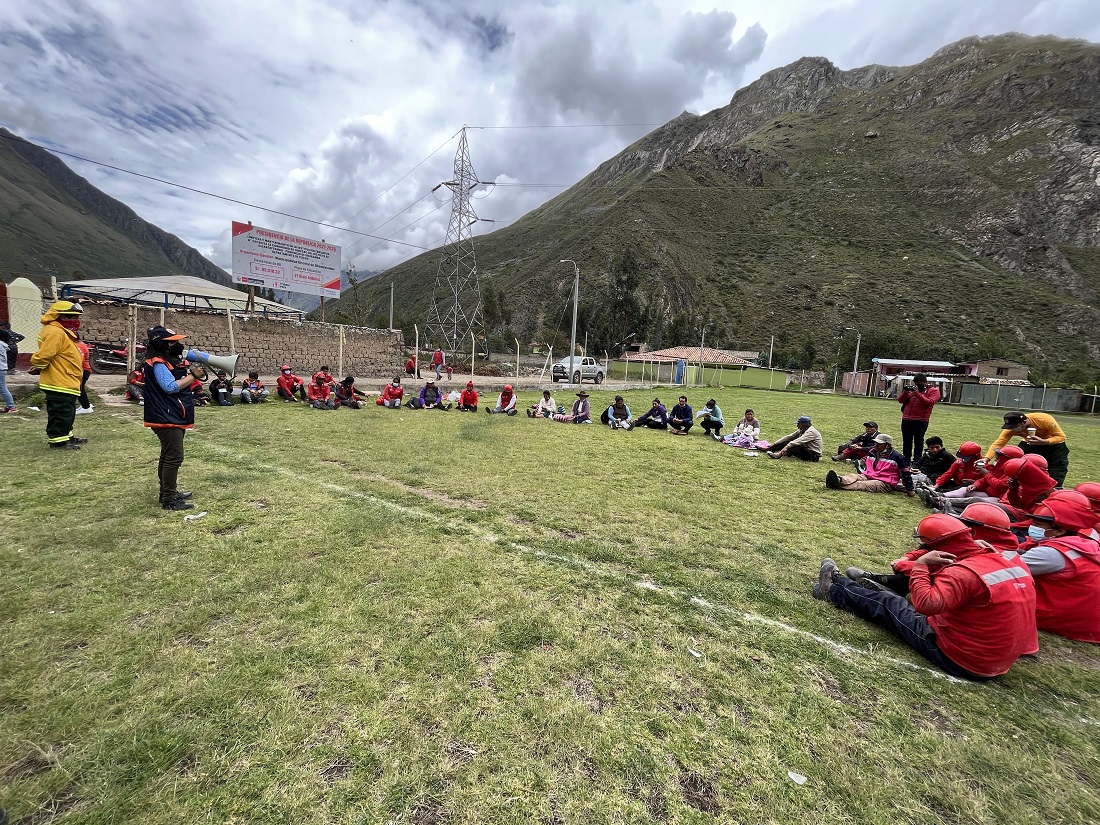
column 111, row 358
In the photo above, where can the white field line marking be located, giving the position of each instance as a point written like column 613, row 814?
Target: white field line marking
column 602, row 572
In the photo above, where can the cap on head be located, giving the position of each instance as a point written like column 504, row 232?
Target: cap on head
column 802, row 419
column 936, row 528
column 1014, row 420
column 157, row 334
column 430, row 381
column 883, row 438
column 285, row 367
column 66, row 308
column 469, row 385
column 872, row 424
column 507, row 387
column 970, row 448
column 981, row 514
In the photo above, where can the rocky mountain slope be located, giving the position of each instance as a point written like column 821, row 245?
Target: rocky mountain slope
column 948, row 209
column 52, row 221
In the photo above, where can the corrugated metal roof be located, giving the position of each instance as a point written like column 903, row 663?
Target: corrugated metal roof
column 173, row 292
column 901, row 362
column 692, row 356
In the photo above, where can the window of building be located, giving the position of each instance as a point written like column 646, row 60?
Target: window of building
column 1002, row 370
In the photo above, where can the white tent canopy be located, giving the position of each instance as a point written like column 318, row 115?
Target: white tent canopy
column 175, row 292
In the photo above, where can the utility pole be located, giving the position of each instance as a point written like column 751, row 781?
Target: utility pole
column 576, row 301
column 855, row 363
column 391, row 306
column 456, row 310
column 771, row 349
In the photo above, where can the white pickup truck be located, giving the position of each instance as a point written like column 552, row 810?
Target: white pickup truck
column 585, row 368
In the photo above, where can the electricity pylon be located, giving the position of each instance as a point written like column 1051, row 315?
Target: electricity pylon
column 456, row 312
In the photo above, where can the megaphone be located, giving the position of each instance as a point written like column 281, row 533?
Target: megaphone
column 224, row 362
column 215, row 362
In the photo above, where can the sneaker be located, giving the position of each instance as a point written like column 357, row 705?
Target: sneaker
column 770, row 454
column 82, row 411
column 869, row 583
column 177, row 504
column 64, row 445
column 184, row 494
column 825, row 578
column 857, row 573
column 11, row 409
column 142, row 403
column 832, row 481
column 716, row 437
column 75, row 440
column 838, row 458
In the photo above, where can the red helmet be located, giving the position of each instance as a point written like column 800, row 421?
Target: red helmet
column 1013, row 466
column 934, row 529
column 507, row 387
column 285, row 368
column 981, row 514
column 970, row 448
column 1068, row 515
column 1038, row 460
column 1090, row 489
column 1009, row 451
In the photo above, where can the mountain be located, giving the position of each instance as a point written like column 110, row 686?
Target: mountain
column 945, row 210
column 52, row 221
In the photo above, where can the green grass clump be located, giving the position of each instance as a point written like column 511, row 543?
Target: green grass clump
column 418, row 617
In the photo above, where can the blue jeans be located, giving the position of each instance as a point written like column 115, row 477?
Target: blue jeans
column 9, row 402
column 892, row 612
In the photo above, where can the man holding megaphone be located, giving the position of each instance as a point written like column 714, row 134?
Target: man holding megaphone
column 169, row 406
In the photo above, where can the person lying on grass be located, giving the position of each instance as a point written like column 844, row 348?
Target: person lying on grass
column 972, row 612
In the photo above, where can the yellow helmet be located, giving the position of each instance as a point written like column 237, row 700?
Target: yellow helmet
column 66, row 308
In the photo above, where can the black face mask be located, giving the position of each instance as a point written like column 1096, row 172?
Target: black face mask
column 175, row 349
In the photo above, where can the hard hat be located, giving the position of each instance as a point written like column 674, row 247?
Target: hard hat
column 1009, row 451
column 1091, row 489
column 66, row 308
column 1013, row 466
column 1038, row 460
column 970, row 448
column 1067, row 515
column 935, row 528
column 981, row 514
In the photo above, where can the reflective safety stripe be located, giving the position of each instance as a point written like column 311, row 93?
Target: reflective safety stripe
column 1072, row 554
column 998, row 576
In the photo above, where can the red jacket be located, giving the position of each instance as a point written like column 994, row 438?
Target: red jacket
column 1068, row 602
column 392, row 393
column 318, row 392
column 468, row 398
column 288, row 382
column 982, row 607
column 917, row 406
column 960, row 473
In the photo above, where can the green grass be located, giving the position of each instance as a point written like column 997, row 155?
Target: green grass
column 426, row 618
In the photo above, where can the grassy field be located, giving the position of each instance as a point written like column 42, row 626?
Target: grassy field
column 418, row 617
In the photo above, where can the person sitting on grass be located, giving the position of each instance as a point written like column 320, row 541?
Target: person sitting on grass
column 680, row 417
column 964, row 470
column 199, row 396
column 253, row 390
column 972, row 612
column 581, row 413
column 617, row 416
column 221, row 390
column 544, row 408
column 289, row 385
column 747, row 431
column 327, row 376
column 430, row 398
column 933, row 462
column 656, row 417
column 1028, row 486
column 506, row 402
column 320, row 394
column 467, row 400
column 391, row 394
column 347, row 395
column 712, row 421
column 884, row 471
column 805, row 443
column 135, row 386
column 858, row 446
column 1064, row 558
column 990, row 487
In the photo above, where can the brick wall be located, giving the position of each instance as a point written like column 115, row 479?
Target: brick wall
column 262, row 343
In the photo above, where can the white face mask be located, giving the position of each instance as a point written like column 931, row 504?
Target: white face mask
column 1036, row 533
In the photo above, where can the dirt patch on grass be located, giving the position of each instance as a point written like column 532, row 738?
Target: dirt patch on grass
column 230, row 531
column 699, row 792
column 32, row 764
column 429, row 812
column 337, row 769
column 830, row 686
column 459, row 751
column 57, row 806
column 584, row 690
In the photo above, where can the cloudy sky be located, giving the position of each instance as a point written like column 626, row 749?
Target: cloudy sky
column 347, row 111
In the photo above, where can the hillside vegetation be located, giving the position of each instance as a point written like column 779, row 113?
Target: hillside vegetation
column 947, row 209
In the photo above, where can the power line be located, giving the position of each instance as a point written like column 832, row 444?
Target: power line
column 17, row 139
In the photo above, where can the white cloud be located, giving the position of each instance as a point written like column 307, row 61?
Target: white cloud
column 318, row 109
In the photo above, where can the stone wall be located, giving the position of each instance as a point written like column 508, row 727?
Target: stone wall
column 263, row 344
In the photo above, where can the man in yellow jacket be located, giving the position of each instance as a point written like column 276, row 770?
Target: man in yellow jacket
column 58, row 364
column 1041, row 434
